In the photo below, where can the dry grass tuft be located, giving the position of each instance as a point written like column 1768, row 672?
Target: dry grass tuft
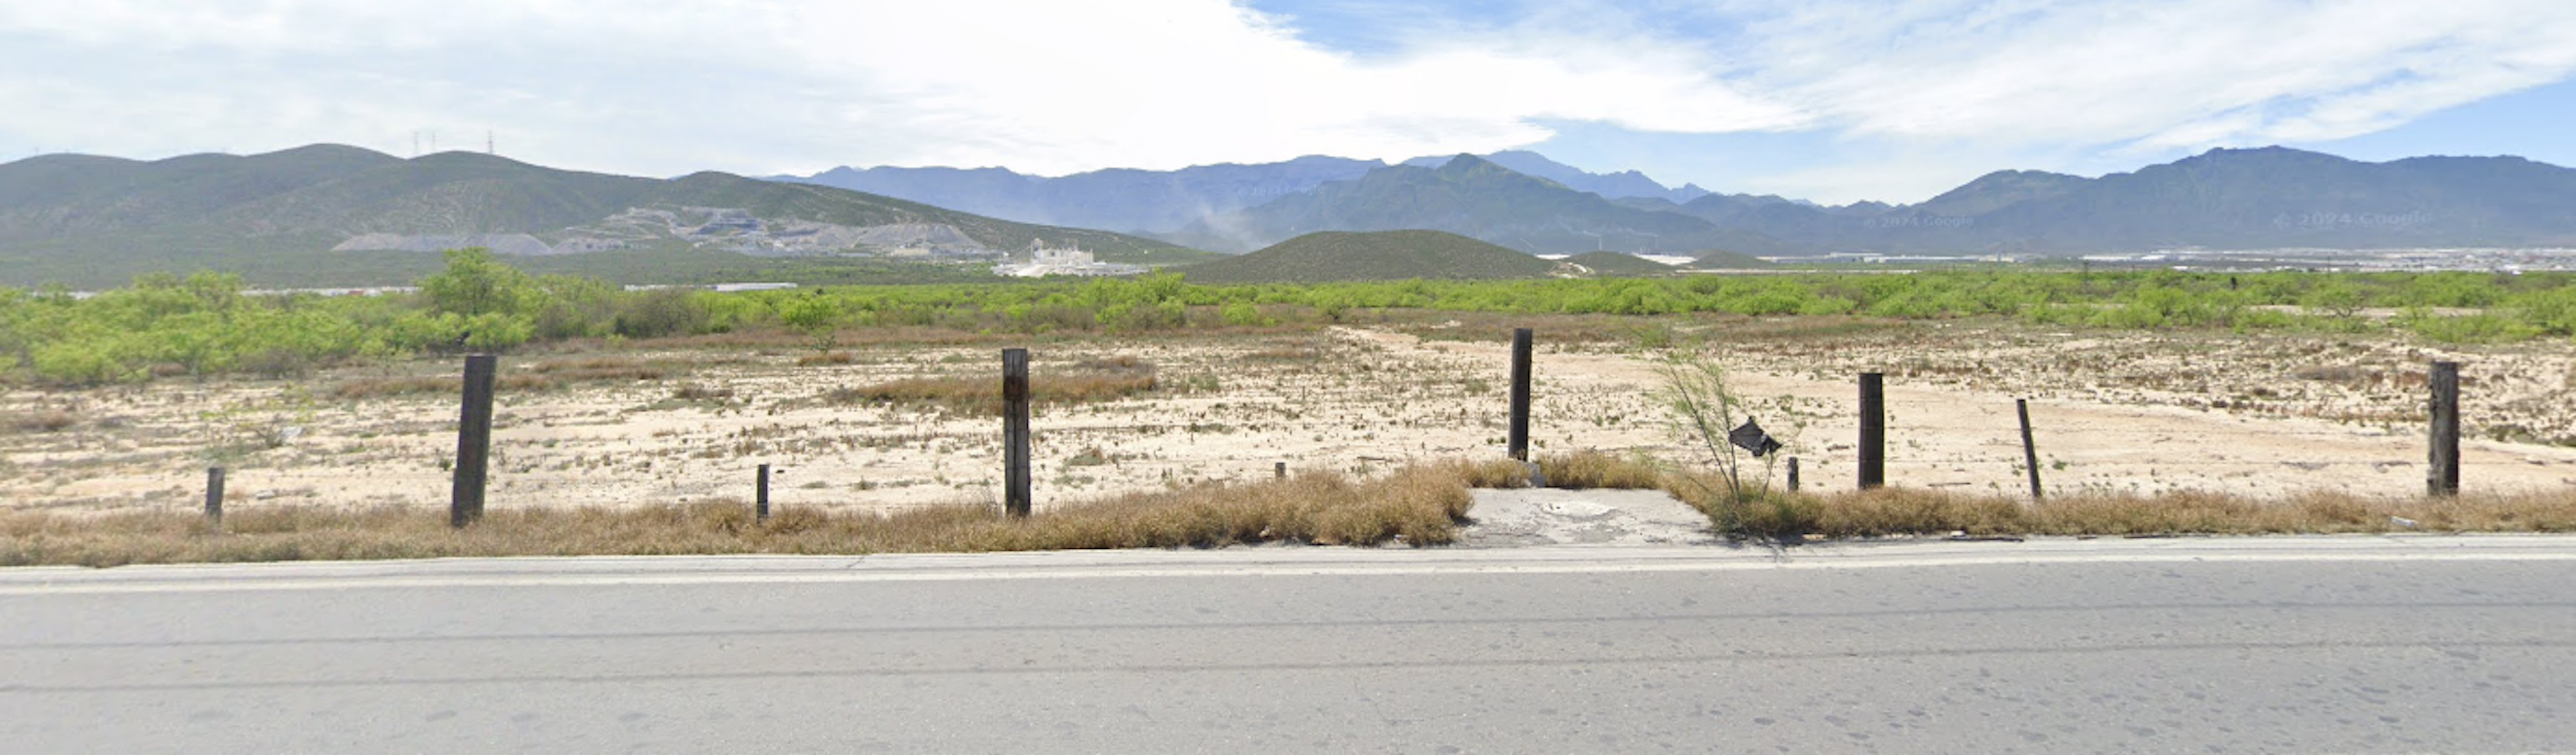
column 48, row 421
column 1593, row 469
column 1416, row 506
column 827, row 358
column 1496, row 473
column 592, row 369
column 695, row 392
column 1912, row 511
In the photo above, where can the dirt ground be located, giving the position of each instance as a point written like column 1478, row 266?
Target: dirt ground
column 2264, row 414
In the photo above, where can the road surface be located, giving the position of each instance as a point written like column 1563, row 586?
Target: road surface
column 2452, row 644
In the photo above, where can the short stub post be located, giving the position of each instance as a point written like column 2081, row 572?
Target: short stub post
column 215, row 497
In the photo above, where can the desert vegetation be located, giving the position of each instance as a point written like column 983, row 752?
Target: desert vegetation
column 207, row 324
column 2167, row 402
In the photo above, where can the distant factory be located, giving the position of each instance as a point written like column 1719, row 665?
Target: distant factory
column 1044, row 261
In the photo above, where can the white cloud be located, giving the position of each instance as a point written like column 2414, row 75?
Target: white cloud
column 665, row 87
column 1053, row 87
column 2193, row 73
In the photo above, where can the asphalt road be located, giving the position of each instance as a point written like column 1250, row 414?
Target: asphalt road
column 2460, row 644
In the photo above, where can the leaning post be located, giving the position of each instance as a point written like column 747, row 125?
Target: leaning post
column 1015, row 432
column 473, row 441
column 2029, row 450
column 2442, row 476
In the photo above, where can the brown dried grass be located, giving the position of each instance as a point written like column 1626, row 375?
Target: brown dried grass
column 1418, row 505
column 592, row 369
column 46, row 421
column 1594, row 469
column 1889, row 512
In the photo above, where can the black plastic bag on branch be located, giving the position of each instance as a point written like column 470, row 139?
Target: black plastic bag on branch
column 1750, row 437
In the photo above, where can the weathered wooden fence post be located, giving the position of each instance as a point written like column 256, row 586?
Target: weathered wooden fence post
column 760, row 496
column 1520, row 393
column 215, row 497
column 1873, row 431
column 2029, row 450
column 1279, row 470
column 473, row 441
column 1015, row 432
column 2442, row 477
column 1793, row 474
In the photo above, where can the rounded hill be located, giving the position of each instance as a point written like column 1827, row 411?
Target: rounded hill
column 1373, row 255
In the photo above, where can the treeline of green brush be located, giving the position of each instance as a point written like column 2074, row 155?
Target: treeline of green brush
column 165, row 325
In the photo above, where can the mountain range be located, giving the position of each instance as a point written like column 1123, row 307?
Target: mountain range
column 93, row 219
column 2266, row 198
column 2225, row 198
column 1148, row 202
column 1473, row 197
column 88, row 220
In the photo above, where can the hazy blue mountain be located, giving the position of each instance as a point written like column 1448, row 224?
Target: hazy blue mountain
column 1477, row 198
column 1621, row 185
column 1118, row 199
column 2226, row 198
column 1168, row 201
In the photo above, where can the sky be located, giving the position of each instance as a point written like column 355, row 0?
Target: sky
column 1828, row 100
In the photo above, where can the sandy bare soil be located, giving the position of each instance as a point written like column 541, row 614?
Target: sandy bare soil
column 2260, row 414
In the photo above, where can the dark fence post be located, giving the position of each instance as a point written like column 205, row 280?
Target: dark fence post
column 1873, row 431
column 473, row 441
column 2442, row 478
column 1015, row 432
column 1279, row 470
column 2029, row 450
column 1793, row 474
column 215, row 497
column 760, row 496
column 1520, row 393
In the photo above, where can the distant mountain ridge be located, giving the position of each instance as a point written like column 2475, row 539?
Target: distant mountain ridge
column 1624, row 184
column 101, row 219
column 1120, row 198
column 114, row 213
column 1144, row 201
column 1473, row 197
column 2264, row 198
